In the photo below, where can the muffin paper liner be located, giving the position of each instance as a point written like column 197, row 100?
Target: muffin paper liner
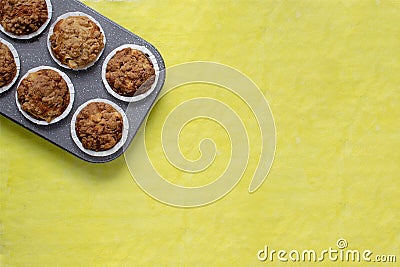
column 66, row 111
column 118, row 146
column 153, row 60
column 51, row 31
column 36, row 33
column 17, row 64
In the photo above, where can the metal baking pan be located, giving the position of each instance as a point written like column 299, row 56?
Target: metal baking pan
column 88, row 83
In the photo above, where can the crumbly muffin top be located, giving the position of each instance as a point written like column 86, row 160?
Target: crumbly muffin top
column 8, row 67
column 76, row 41
column 130, row 72
column 23, row 17
column 44, row 95
column 99, row 126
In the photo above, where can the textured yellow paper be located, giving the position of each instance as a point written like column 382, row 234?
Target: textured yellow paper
column 330, row 71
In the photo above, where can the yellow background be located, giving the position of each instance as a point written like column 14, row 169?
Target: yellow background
column 331, row 73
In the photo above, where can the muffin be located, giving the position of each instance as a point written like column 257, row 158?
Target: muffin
column 99, row 126
column 76, row 41
column 8, row 65
column 24, row 17
column 129, row 71
column 45, row 95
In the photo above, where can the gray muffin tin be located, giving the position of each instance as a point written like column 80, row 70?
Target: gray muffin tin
column 88, row 83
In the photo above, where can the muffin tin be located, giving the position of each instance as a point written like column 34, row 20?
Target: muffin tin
column 87, row 83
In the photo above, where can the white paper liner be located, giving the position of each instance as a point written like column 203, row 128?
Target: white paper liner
column 125, row 129
column 71, row 97
column 17, row 64
column 51, row 31
column 151, row 57
column 36, row 33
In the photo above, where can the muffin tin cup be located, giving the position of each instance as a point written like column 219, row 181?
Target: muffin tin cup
column 118, row 146
column 71, row 97
column 36, row 33
column 153, row 60
column 17, row 64
column 51, row 31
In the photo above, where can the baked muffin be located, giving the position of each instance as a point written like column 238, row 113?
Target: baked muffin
column 130, row 72
column 8, row 66
column 23, row 17
column 44, row 95
column 76, row 41
column 99, row 126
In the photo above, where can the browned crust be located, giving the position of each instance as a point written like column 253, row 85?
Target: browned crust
column 8, row 67
column 76, row 41
column 23, row 17
column 130, row 72
column 44, row 95
column 99, row 126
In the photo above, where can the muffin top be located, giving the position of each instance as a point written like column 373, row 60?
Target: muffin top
column 44, row 95
column 23, row 17
column 130, row 72
column 8, row 67
column 77, row 41
column 99, row 126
